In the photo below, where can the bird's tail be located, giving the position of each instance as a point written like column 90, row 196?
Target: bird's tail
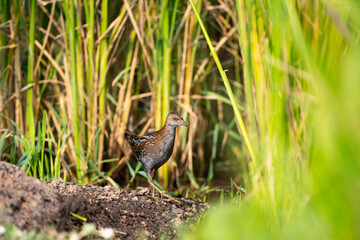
column 128, row 135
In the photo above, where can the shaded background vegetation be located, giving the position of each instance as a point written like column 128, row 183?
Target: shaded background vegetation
column 75, row 75
column 86, row 71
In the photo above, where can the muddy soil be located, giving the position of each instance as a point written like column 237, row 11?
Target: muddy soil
column 29, row 203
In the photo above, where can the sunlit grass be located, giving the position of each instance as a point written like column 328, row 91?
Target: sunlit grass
column 304, row 183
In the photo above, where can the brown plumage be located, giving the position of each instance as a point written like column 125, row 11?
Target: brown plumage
column 155, row 148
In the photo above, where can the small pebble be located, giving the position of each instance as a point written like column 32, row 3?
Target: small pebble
column 143, row 192
column 2, row 230
column 106, row 233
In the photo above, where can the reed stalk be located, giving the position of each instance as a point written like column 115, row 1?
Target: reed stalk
column 166, row 35
column 80, row 74
column 30, row 121
column 90, row 73
column 102, row 76
column 71, row 36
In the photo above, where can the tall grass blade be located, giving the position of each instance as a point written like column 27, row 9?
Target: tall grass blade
column 226, row 83
column 30, row 122
column 71, row 39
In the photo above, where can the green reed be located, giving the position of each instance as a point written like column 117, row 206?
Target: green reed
column 298, row 65
column 30, row 121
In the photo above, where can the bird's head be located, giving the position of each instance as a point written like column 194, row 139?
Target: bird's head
column 174, row 119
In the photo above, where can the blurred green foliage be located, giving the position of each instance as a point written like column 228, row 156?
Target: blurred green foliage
column 306, row 182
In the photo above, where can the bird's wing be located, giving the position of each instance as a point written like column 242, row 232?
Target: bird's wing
column 137, row 144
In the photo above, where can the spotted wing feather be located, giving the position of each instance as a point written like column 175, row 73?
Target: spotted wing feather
column 140, row 145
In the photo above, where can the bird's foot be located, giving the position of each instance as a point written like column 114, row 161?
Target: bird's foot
column 168, row 196
column 154, row 197
column 162, row 194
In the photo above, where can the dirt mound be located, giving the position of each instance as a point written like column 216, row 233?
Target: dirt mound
column 29, row 203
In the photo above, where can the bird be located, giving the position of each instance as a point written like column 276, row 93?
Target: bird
column 155, row 148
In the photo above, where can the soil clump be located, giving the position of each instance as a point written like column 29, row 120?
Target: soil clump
column 29, row 203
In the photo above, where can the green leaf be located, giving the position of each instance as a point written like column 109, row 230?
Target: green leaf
column 78, row 216
column 15, row 124
column 192, row 179
column 2, row 140
column 131, row 170
column 142, row 173
column 96, row 169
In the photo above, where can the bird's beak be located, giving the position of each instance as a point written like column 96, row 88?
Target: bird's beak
column 183, row 123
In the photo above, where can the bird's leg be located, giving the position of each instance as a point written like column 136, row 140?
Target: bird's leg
column 161, row 192
column 153, row 172
column 154, row 187
column 150, row 174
